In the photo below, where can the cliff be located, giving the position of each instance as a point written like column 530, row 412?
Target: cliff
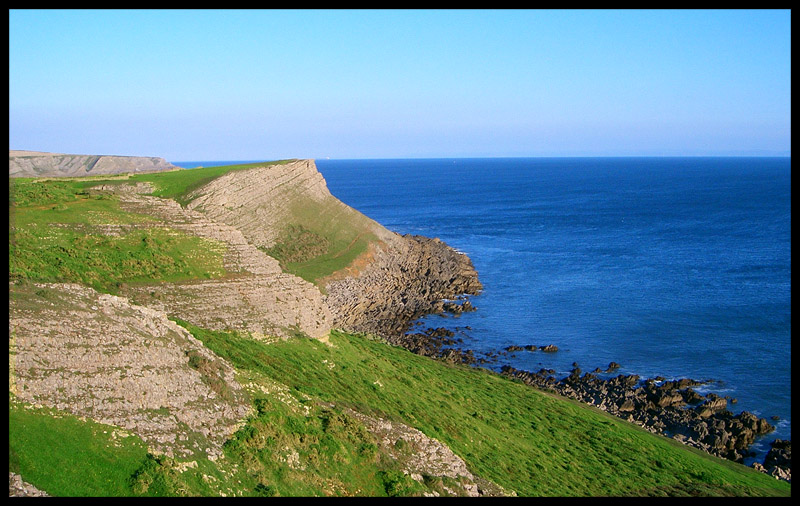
column 40, row 164
column 176, row 333
column 122, row 360
column 392, row 280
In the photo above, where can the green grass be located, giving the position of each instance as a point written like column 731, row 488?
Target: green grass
column 522, row 439
column 178, row 184
column 53, row 237
column 321, row 238
column 67, row 456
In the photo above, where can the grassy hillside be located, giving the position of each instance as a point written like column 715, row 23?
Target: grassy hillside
column 301, row 441
column 303, row 438
column 320, row 239
column 57, row 234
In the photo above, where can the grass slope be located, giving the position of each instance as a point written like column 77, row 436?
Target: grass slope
column 300, row 441
column 521, row 438
column 55, row 236
column 321, row 238
column 68, row 456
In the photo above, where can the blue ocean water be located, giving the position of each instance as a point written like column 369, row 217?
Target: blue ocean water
column 674, row 267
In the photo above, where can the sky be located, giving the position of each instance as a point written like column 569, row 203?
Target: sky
column 196, row 85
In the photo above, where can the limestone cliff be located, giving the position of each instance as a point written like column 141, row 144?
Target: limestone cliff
column 40, row 164
column 256, row 295
column 261, row 201
column 397, row 279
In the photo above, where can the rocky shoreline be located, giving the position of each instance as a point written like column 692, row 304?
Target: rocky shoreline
column 673, row 408
column 409, row 277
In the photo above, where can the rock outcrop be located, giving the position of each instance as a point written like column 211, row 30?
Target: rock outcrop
column 40, row 164
column 19, row 488
column 778, row 462
column 99, row 356
column 420, row 455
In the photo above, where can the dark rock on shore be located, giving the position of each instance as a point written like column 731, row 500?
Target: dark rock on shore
column 661, row 407
column 455, row 307
column 778, row 462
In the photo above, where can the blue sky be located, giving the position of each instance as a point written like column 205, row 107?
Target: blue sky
column 267, row 84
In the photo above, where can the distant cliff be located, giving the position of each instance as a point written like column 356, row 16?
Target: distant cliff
column 39, row 164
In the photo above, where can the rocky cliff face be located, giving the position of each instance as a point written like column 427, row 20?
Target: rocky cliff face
column 260, row 202
column 399, row 278
column 39, row 164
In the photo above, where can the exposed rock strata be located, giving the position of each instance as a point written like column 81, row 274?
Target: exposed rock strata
column 39, row 164
column 258, row 297
column 403, row 277
column 261, row 201
column 98, row 355
column 19, row 488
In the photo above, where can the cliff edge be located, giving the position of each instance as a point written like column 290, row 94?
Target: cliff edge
column 375, row 280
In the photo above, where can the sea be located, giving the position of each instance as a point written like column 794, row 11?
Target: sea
column 671, row 267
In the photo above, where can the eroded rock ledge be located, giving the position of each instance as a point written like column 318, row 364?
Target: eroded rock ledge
column 409, row 278
column 97, row 355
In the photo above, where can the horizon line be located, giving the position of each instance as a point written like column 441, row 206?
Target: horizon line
column 485, row 157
